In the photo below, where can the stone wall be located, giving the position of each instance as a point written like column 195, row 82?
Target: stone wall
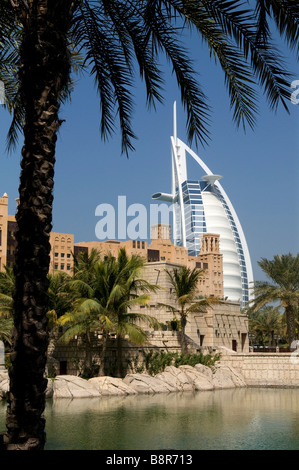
column 70, row 358
column 221, row 325
column 266, row 369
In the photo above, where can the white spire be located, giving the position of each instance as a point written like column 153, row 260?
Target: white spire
column 174, row 124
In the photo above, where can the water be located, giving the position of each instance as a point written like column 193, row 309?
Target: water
column 236, row 419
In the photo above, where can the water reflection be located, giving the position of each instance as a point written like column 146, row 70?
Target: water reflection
column 222, row 419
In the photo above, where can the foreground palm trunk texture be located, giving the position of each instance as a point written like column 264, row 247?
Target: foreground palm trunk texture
column 44, row 72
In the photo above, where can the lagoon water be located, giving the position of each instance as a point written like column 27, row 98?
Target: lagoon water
column 234, row 419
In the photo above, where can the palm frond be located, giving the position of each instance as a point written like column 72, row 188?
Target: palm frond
column 267, row 64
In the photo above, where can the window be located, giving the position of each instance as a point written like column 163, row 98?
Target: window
column 62, row 255
column 68, row 267
column 56, row 255
column 56, row 266
column 62, row 267
column 134, row 244
column 68, row 255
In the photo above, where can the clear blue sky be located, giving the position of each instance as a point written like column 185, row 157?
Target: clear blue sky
column 260, row 168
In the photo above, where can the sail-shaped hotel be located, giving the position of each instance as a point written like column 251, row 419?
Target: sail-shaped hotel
column 202, row 206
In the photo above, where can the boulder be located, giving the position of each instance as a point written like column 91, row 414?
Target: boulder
column 4, row 384
column 49, row 390
column 226, row 371
column 171, row 380
column 198, row 380
column 70, row 386
column 205, row 370
column 144, row 383
column 112, row 386
column 222, row 378
column 177, row 378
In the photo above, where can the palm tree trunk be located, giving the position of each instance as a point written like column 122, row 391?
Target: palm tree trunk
column 44, row 72
column 183, row 335
column 88, row 352
column 119, row 357
column 291, row 330
column 103, row 355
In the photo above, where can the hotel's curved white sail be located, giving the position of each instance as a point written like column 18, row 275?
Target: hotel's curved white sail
column 204, row 207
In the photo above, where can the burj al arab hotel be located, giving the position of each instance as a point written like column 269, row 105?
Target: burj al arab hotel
column 202, row 206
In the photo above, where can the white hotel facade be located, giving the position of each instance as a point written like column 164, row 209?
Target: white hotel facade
column 202, row 206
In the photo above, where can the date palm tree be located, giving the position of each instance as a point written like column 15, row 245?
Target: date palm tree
column 282, row 287
column 39, row 44
column 265, row 323
column 104, row 305
column 184, row 281
column 129, row 291
column 6, row 304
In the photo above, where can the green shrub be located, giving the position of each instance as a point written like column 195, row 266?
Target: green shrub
column 158, row 361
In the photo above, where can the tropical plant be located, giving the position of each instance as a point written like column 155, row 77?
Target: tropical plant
column 39, row 40
column 104, row 305
column 6, row 304
column 84, row 264
column 156, row 362
column 265, row 323
column 184, row 281
column 59, row 302
column 129, row 291
column 282, row 287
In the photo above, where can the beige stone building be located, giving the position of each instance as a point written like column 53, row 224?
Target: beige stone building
column 222, row 325
column 8, row 227
column 62, row 249
column 161, row 249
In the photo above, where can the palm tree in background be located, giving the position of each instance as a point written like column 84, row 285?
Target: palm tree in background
column 265, row 323
column 39, row 45
column 282, row 287
column 184, row 281
column 84, row 265
column 6, row 304
column 60, row 300
column 129, row 291
column 104, row 305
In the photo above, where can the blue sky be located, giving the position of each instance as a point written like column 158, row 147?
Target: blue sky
column 260, row 168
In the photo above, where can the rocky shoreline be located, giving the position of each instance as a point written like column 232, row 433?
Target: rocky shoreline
column 173, row 379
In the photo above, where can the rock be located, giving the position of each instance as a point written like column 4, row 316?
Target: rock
column 198, row 380
column 49, row 390
column 235, row 376
column 4, row 384
column 3, row 374
column 4, row 389
column 144, row 383
column 222, row 378
column 205, row 370
column 178, row 378
column 112, row 386
column 171, row 380
column 69, row 386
